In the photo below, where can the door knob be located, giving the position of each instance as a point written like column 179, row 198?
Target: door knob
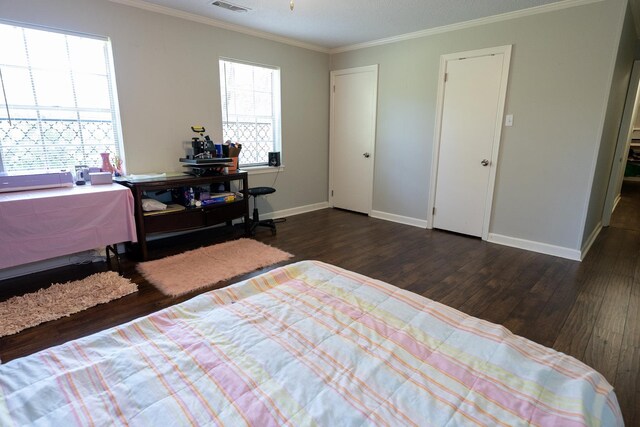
column 366, row 155
column 484, row 162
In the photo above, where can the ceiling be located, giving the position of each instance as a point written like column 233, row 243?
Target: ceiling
column 332, row 24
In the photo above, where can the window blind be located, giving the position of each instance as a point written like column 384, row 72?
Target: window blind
column 59, row 107
column 251, row 109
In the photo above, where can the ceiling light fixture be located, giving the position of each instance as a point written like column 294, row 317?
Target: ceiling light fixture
column 291, row 5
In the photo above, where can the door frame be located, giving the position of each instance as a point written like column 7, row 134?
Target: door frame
column 444, row 59
column 622, row 145
column 333, row 74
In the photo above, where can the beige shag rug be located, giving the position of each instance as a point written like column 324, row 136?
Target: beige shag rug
column 180, row 274
column 60, row 300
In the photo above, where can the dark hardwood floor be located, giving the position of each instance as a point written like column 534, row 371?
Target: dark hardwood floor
column 589, row 309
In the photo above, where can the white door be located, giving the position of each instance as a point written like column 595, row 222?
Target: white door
column 352, row 137
column 472, row 104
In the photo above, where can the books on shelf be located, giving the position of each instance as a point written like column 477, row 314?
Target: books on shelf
column 208, row 199
column 219, row 198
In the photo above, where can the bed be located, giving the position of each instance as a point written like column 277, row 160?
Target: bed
column 305, row 344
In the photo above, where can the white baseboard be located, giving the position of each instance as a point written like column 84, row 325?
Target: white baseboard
column 590, row 240
column 421, row 223
column 294, row 211
column 48, row 264
column 529, row 245
column 615, row 202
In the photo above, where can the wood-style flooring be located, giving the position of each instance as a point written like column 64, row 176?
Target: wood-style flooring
column 589, row 309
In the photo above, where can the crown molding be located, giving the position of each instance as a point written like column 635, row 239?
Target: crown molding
column 552, row 7
column 219, row 24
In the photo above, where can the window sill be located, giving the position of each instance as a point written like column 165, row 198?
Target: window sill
column 259, row 170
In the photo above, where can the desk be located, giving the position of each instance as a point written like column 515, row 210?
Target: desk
column 40, row 224
column 191, row 217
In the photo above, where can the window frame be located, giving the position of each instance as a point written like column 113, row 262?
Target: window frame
column 114, row 109
column 276, row 99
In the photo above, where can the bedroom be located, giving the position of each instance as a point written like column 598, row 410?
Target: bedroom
column 549, row 190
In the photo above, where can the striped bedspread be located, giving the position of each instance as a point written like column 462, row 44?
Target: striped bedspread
column 306, row 344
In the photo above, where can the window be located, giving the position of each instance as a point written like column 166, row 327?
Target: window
column 58, row 108
column 251, row 109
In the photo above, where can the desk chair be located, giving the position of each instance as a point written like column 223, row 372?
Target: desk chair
column 256, row 221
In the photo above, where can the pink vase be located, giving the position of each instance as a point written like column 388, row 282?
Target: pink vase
column 106, row 163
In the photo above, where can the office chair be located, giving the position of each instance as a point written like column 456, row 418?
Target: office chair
column 256, row 221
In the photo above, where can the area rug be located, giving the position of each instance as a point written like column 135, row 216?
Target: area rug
column 61, row 300
column 180, row 274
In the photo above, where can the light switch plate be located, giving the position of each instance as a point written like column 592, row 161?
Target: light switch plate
column 508, row 120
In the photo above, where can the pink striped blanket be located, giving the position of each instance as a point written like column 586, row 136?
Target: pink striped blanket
column 306, row 344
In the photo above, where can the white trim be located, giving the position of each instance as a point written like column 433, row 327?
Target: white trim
column 407, row 220
column 250, row 63
column 374, row 124
column 495, row 149
column 295, row 211
column 435, row 151
column 116, row 117
column 52, row 29
column 615, row 203
column 219, row 24
column 530, row 245
column 552, row 7
column 623, row 143
column 506, row 61
column 48, row 264
column 261, row 170
column 590, row 240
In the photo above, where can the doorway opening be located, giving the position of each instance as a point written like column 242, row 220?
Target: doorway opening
column 622, row 205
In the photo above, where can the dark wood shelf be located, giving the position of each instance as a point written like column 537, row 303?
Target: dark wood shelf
column 190, row 217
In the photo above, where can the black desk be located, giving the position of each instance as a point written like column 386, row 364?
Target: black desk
column 191, row 217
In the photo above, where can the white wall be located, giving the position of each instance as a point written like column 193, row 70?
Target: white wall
column 559, row 83
column 621, row 74
column 167, row 77
column 560, row 80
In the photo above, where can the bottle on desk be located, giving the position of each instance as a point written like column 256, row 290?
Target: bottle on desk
column 189, row 197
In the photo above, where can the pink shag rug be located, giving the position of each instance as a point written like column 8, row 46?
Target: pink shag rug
column 60, row 300
column 180, row 274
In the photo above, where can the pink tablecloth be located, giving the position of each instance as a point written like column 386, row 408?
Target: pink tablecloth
column 42, row 224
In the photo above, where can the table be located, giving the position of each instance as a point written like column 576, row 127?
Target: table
column 40, row 224
column 191, row 217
